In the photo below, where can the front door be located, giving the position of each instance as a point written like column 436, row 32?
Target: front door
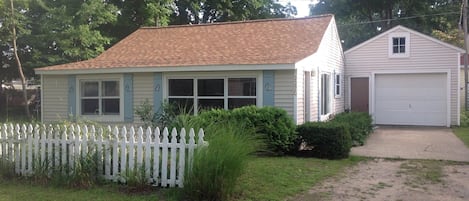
column 359, row 94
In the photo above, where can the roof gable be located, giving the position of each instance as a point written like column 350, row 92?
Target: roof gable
column 405, row 29
column 273, row 41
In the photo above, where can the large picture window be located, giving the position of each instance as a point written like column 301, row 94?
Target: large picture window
column 100, row 97
column 207, row 93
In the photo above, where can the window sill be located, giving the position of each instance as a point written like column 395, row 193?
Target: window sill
column 102, row 118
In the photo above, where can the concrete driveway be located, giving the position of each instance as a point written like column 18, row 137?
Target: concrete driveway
column 414, row 143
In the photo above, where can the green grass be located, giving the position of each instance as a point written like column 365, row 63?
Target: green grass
column 266, row 178
column 14, row 190
column 276, row 178
column 463, row 134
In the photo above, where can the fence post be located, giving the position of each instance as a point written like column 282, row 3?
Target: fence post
column 164, row 159
column 182, row 157
column 174, row 146
column 123, row 151
column 156, row 156
column 115, row 153
column 148, row 154
column 131, row 149
column 140, row 166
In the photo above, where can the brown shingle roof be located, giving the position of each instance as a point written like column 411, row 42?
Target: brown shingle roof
column 272, row 41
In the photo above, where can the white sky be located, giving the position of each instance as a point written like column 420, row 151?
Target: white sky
column 302, row 6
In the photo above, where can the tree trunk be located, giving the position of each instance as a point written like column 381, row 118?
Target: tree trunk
column 18, row 62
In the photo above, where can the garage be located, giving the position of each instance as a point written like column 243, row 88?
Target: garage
column 411, row 99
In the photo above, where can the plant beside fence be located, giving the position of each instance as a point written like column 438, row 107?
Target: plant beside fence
column 119, row 152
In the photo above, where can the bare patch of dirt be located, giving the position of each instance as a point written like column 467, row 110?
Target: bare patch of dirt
column 395, row 180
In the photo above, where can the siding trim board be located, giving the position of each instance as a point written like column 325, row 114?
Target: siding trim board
column 268, row 88
column 157, row 91
column 128, row 98
column 72, row 97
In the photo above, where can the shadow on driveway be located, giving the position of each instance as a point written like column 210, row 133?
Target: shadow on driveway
column 414, row 143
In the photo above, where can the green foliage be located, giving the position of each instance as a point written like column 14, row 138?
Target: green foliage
column 136, row 178
column 361, row 20
column 7, row 169
column 329, row 140
column 464, row 119
column 274, row 125
column 166, row 116
column 217, row 167
column 359, row 125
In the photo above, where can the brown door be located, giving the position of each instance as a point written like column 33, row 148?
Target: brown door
column 359, row 94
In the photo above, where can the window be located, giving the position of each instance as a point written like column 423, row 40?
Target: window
column 337, row 85
column 399, row 45
column 201, row 93
column 100, row 97
column 325, row 94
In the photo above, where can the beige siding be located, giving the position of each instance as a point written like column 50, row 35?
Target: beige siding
column 143, row 90
column 54, row 98
column 300, row 96
column 328, row 59
column 285, row 90
column 425, row 55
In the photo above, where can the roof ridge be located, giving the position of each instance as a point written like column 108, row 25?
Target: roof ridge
column 240, row 22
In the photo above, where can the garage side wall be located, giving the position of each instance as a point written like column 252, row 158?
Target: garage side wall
column 54, row 98
column 425, row 55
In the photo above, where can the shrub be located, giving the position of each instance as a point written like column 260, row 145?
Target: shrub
column 329, row 140
column 217, row 167
column 274, row 125
column 464, row 118
column 359, row 125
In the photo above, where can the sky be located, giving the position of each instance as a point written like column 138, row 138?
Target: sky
column 302, row 6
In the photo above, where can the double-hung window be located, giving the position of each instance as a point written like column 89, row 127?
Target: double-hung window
column 100, row 97
column 206, row 93
column 338, row 85
column 399, row 45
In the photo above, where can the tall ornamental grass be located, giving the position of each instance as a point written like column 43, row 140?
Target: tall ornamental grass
column 217, row 167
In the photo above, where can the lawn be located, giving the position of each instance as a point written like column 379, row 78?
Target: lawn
column 277, row 178
column 267, row 178
column 463, row 134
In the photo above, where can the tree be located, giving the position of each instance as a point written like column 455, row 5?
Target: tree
column 209, row 11
column 361, row 20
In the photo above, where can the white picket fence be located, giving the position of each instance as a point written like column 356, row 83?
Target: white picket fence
column 163, row 156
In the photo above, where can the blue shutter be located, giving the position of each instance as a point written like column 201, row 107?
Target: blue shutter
column 268, row 89
column 128, row 98
column 72, row 97
column 157, row 91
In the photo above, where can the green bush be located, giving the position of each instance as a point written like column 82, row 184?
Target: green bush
column 274, row 125
column 359, row 125
column 217, row 167
column 329, row 140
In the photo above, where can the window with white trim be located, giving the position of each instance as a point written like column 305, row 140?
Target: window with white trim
column 100, row 97
column 326, row 100
column 399, row 44
column 337, row 85
column 207, row 93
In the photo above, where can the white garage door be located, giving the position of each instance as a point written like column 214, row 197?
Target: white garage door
column 411, row 99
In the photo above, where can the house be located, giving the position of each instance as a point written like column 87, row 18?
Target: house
column 294, row 64
column 403, row 77
column 462, row 85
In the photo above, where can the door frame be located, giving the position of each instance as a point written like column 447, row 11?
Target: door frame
column 349, row 94
column 436, row 71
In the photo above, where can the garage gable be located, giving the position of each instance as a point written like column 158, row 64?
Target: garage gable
column 414, row 78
